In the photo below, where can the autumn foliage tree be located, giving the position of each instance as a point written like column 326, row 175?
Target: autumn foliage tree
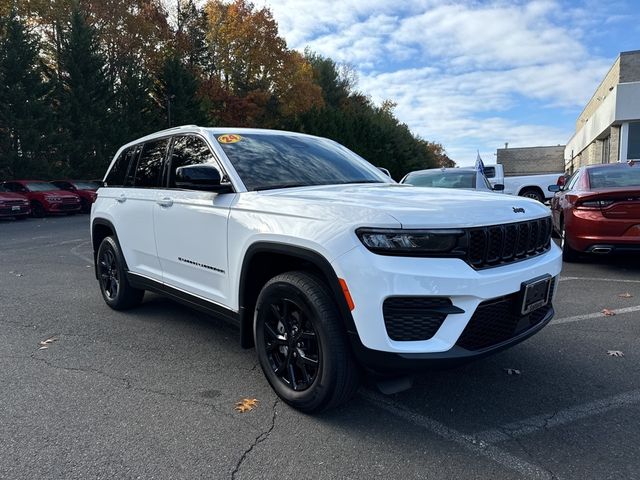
column 80, row 77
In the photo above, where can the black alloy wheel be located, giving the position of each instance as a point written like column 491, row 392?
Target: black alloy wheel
column 108, row 272
column 302, row 344
column 112, row 276
column 291, row 344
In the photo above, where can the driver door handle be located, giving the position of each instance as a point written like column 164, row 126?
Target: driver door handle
column 165, row 202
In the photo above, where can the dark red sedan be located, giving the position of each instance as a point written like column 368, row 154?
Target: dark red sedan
column 44, row 197
column 598, row 210
column 13, row 205
column 85, row 189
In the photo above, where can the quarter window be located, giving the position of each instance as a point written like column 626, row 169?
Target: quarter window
column 118, row 173
column 150, row 163
column 573, row 180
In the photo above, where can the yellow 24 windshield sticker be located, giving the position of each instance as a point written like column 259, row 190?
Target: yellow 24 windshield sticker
column 229, row 138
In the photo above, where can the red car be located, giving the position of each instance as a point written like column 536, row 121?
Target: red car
column 13, row 205
column 598, row 210
column 85, row 189
column 44, row 197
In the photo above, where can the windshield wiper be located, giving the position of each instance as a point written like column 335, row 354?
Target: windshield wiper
column 282, row 185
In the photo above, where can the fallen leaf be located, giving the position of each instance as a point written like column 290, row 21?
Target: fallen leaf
column 608, row 313
column 44, row 347
column 18, row 274
column 246, row 405
column 46, row 342
column 615, row 353
column 625, row 295
column 512, row 371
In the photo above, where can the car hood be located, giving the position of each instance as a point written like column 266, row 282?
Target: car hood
column 420, row 207
column 57, row 193
column 11, row 196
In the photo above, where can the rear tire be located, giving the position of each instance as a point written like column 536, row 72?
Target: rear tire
column 301, row 343
column 112, row 275
column 532, row 193
column 568, row 253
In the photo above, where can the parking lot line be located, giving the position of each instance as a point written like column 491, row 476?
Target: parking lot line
column 525, row 469
column 598, row 279
column 535, row 424
column 589, row 316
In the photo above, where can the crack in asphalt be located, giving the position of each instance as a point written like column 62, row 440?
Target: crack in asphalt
column 259, row 439
column 128, row 385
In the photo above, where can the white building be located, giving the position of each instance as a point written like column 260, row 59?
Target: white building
column 608, row 129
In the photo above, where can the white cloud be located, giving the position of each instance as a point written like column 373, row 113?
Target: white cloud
column 457, row 70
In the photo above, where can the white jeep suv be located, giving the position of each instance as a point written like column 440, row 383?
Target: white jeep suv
column 327, row 265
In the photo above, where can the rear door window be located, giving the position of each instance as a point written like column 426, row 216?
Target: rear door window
column 149, row 168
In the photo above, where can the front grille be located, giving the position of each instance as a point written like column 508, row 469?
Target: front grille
column 498, row 320
column 415, row 318
column 500, row 244
column 70, row 200
column 72, row 206
column 14, row 202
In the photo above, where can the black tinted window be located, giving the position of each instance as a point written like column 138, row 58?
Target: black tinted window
column 489, row 172
column 614, row 176
column 266, row 161
column 150, row 163
column 188, row 150
column 118, row 173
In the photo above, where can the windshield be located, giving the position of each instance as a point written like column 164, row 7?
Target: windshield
column 267, row 161
column 614, row 176
column 40, row 186
column 85, row 185
column 443, row 179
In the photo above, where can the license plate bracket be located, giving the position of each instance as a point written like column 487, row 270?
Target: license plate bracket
column 535, row 293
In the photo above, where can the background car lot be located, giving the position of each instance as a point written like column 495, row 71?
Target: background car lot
column 150, row 393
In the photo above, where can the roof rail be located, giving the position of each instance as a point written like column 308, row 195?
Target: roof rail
column 177, row 128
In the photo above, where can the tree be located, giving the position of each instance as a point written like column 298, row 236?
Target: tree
column 85, row 107
column 176, row 94
column 24, row 114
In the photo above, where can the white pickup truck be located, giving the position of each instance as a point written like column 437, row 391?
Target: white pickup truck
column 531, row 186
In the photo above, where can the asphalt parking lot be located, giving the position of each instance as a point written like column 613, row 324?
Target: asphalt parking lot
column 150, row 393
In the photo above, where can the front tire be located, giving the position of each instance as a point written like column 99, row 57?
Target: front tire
column 301, row 343
column 37, row 210
column 112, row 275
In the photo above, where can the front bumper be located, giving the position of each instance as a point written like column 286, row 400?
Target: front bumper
column 63, row 207
column 372, row 279
column 11, row 211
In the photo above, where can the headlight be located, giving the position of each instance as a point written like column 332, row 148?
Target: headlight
column 423, row 243
column 52, row 199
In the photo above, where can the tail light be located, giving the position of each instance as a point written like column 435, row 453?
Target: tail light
column 593, row 204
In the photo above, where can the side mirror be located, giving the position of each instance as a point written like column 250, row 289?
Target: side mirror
column 201, row 177
column 498, row 187
column 554, row 188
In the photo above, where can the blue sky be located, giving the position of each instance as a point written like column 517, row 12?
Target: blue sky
column 474, row 74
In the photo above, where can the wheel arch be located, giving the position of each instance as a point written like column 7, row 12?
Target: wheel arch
column 101, row 228
column 534, row 188
column 264, row 260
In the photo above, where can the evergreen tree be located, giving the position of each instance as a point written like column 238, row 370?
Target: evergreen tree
column 24, row 117
column 137, row 112
column 176, row 94
column 85, row 101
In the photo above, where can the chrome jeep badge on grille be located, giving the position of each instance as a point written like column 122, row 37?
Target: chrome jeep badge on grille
column 518, row 209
